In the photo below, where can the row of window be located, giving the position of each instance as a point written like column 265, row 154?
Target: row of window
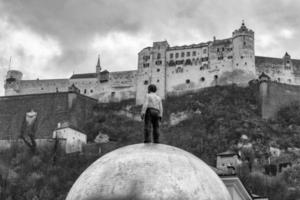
column 220, row 57
column 187, row 61
column 187, row 81
column 181, row 70
column 171, row 55
column 180, row 62
column 223, row 49
column 183, row 54
column 237, row 64
column 158, row 62
column 85, row 91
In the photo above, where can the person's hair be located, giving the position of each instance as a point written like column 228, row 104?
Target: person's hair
column 152, row 88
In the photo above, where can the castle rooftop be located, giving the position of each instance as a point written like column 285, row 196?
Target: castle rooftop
column 86, row 75
column 189, row 46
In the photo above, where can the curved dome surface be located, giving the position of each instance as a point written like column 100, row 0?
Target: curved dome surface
column 148, row 172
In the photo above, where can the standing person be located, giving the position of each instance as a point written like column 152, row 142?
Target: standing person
column 152, row 111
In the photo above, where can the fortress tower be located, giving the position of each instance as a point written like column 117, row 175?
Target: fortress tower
column 12, row 82
column 243, row 50
column 152, row 70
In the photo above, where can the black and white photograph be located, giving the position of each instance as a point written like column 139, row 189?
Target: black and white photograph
column 149, row 100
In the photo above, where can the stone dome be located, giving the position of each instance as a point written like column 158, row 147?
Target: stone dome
column 148, row 172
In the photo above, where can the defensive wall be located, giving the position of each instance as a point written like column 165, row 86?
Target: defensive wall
column 275, row 96
column 51, row 109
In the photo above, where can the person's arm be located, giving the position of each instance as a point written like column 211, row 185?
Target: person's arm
column 145, row 106
column 160, row 109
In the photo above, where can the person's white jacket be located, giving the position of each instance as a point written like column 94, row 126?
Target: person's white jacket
column 152, row 100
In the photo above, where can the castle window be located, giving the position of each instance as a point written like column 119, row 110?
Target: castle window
column 202, row 79
column 216, row 76
column 218, row 49
column 113, row 94
column 244, row 43
column 242, row 57
column 204, row 59
column 158, row 56
column 287, row 61
column 42, row 88
column 145, row 58
column 187, row 81
column 182, row 54
column 229, row 57
column 158, row 62
column 157, row 81
column 179, row 62
column 171, row 55
column 84, row 91
column 188, row 54
column 278, row 79
column 158, row 70
column 172, row 63
column 289, row 80
column 91, row 91
column 146, row 65
column 188, row 62
column 176, row 55
column 245, row 63
column 179, row 70
column 194, row 53
column 223, row 49
column 145, row 82
column 237, row 64
column 204, row 51
column 220, row 58
column 201, row 68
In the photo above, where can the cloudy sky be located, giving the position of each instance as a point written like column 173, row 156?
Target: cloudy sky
column 55, row 38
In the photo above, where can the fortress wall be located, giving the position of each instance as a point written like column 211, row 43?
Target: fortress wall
column 275, row 96
column 218, row 70
column 191, row 78
column 51, row 108
column 123, row 85
column 120, row 86
column 80, row 110
column 123, row 78
column 221, row 55
column 87, row 86
column 276, row 70
column 42, row 86
column 182, row 77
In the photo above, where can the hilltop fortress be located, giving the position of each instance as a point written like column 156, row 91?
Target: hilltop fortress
column 174, row 69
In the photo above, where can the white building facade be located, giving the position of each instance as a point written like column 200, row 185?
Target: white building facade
column 178, row 69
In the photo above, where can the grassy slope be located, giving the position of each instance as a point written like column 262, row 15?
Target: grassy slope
column 227, row 112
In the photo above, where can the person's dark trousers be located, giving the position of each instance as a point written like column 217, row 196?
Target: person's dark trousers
column 151, row 118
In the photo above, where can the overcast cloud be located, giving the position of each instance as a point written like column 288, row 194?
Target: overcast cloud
column 54, row 38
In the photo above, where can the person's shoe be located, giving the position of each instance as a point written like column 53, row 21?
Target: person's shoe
column 146, row 141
